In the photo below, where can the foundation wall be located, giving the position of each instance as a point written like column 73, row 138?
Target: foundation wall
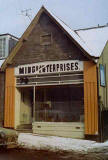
column 70, row 129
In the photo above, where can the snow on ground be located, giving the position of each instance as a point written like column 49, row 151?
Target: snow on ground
column 53, row 143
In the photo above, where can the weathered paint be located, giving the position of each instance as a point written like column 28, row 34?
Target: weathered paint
column 25, row 107
column 62, row 48
column 17, row 107
column 9, row 98
column 32, row 31
column 90, row 98
column 103, row 91
column 103, row 94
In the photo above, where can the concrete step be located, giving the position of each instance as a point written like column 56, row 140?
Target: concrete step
column 24, row 131
column 24, row 126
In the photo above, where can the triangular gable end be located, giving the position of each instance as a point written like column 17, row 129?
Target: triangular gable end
column 31, row 27
column 23, row 37
column 76, row 39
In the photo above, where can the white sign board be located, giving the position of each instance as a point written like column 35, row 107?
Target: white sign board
column 49, row 67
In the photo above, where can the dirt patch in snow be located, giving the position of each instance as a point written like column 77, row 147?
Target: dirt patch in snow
column 26, row 154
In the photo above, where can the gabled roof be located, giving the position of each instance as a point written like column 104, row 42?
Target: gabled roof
column 95, row 37
column 70, row 33
column 8, row 34
column 73, row 35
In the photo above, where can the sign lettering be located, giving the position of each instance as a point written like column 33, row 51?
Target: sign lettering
column 49, row 67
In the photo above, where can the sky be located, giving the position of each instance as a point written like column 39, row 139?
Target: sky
column 76, row 13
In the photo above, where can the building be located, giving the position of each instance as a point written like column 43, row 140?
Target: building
column 51, row 81
column 7, row 42
column 97, row 39
column 103, row 91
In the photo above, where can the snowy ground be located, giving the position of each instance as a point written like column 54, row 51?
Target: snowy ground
column 52, row 143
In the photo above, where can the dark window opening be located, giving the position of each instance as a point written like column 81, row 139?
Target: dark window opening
column 45, row 39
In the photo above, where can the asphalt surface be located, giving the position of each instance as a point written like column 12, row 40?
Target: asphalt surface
column 24, row 154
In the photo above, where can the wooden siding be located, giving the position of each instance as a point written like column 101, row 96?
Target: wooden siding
column 32, row 45
column 9, row 98
column 90, row 98
column 103, row 91
column 61, row 47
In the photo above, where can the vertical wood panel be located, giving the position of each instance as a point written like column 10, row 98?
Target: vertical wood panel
column 90, row 98
column 9, row 98
column 96, row 109
column 92, row 107
column 85, row 104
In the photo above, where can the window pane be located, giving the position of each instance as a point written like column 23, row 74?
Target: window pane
column 60, row 104
column 0, row 44
column 2, row 47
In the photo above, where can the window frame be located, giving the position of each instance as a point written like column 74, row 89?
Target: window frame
column 4, row 54
column 45, row 43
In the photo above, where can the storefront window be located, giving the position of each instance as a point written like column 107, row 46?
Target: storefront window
column 60, row 104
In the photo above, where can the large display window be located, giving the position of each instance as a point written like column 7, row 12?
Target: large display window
column 60, row 104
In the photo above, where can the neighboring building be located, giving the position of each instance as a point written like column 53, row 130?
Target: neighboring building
column 51, row 81
column 7, row 42
column 97, row 39
column 103, row 91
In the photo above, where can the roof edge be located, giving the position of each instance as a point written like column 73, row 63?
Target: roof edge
column 20, row 42
column 29, row 30
column 96, row 27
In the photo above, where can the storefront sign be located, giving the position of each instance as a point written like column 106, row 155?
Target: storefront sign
column 49, row 67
